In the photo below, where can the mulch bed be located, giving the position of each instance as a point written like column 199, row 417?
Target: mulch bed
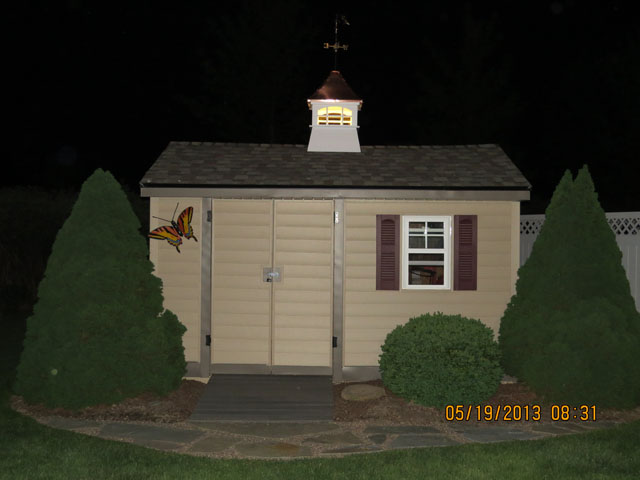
column 178, row 406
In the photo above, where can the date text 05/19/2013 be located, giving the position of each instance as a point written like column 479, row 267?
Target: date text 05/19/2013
column 517, row 413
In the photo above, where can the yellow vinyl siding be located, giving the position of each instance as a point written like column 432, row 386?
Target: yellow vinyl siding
column 180, row 272
column 241, row 301
column 369, row 315
column 302, row 300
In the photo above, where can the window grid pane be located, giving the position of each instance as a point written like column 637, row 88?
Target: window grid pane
column 427, row 251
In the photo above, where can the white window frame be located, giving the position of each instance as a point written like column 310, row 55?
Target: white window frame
column 448, row 270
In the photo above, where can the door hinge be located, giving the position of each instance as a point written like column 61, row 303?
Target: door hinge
column 209, row 216
column 208, row 340
column 335, row 342
column 337, row 217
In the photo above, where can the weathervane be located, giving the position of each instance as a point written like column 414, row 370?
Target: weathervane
column 336, row 44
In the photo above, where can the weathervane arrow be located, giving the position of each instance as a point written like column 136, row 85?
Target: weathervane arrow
column 336, row 44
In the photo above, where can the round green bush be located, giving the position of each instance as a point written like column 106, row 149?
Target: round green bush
column 437, row 360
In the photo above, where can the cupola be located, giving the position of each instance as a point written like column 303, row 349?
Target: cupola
column 334, row 116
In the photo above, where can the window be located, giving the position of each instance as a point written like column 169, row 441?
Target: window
column 426, row 249
column 426, row 254
column 334, row 116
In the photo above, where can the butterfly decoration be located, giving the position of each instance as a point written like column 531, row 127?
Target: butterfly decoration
column 173, row 233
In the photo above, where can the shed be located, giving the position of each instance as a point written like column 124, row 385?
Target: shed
column 300, row 259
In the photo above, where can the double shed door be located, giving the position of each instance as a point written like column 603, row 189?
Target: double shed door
column 284, row 321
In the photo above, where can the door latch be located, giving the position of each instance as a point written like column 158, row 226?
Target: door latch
column 271, row 274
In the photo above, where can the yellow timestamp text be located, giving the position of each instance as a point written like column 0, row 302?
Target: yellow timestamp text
column 518, row 413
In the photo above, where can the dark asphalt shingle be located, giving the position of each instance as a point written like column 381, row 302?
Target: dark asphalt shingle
column 266, row 165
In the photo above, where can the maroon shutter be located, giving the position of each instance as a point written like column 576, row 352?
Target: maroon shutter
column 465, row 255
column 387, row 252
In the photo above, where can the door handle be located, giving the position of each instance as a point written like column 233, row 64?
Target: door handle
column 271, row 274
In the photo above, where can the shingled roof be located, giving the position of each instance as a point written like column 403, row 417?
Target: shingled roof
column 465, row 167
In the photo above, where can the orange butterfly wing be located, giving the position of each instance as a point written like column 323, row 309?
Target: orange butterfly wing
column 184, row 223
column 169, row 234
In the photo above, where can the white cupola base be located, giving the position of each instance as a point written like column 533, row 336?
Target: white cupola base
column 333, row 139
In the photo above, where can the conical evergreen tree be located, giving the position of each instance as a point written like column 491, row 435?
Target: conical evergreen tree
column 99, row 332
column 572, row 331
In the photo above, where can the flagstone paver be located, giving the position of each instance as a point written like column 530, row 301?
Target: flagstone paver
column 211, row 444
column 263, row 429
column 429, row 440
column 550, row 428
column 335, row 438
column 272, row 449
column 70, row 423
column 308, row 439
column 378, row 438
column 149, row 432
column 158, row 444
column 401, row 429
column 356, row 449
column 489, row 433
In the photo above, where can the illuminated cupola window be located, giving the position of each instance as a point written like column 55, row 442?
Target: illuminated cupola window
column 334, row 116
column 334, row 109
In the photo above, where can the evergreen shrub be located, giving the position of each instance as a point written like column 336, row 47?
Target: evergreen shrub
column 437, row 360
column 571, row 331
column 99, row 332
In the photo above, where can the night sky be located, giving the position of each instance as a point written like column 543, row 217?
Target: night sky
column 555, row 83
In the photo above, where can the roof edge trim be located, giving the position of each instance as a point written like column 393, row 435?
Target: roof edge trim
column 511, row 194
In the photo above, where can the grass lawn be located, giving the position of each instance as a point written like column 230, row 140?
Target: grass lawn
column 29, row 450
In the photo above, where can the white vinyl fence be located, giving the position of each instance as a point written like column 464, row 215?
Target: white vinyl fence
column 626, row 226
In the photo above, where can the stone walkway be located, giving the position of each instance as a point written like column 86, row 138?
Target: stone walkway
column 308, row 439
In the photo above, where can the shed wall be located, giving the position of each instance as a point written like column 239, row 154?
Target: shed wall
column 180, row 272
column 369, row 315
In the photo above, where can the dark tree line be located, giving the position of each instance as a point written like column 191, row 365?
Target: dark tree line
column 557, row 85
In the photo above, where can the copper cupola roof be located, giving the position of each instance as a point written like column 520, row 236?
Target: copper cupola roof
column 335, row 88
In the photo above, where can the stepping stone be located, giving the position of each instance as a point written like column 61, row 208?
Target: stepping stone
column 275, row 430
column 489, row 434
column 550, row 429
column 149, row 433
column 603, row 425
column 361, row 392
column 336, row 439
column 578, row 427
column 401, row 429
column 69, row 423
column 378, row 439
column 355, row 449
column 408, row 441
column 212, row 444
column 158, row 445
column 271, row 449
